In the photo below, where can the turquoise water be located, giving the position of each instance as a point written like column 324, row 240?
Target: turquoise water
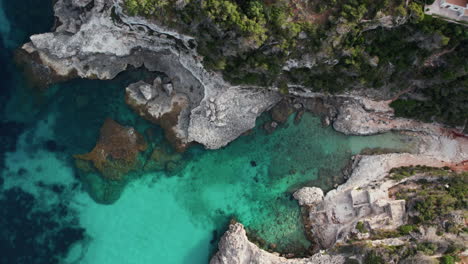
column 159, row 218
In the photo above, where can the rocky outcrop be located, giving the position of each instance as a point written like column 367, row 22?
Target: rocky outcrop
column 384, row 21
column 235, row 248
column 366, row 117
column 309, row 196
column 100, row 41
column 364, row 197
column 116, row 152
column 105, row 170
column 163, row 107
column 227, row 115
column 354, row 114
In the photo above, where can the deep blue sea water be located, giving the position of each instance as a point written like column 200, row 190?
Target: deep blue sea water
column 47, row 217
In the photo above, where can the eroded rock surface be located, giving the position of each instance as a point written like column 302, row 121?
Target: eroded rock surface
column 225, row 116
column 169, row 110
column 309, row 196
column 100, row 41
column 235, row 248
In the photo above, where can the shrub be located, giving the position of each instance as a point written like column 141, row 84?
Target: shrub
column 406, row 229
column 447, row 259
column 427, row 248
column 373, row 258
column 361, row 228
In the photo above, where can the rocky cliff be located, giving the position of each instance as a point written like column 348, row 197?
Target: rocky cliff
column 235, row 248
column 95, row 39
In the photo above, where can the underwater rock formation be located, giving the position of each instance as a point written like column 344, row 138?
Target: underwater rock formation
column 281, row 111
column 116, row 152
column 163, row 160
column 105, row 170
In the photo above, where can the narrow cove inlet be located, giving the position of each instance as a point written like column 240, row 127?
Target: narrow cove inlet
column 176, row 216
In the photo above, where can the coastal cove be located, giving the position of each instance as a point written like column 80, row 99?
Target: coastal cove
column 160, row 216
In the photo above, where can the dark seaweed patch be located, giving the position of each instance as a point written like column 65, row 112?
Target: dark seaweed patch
column 33, row 235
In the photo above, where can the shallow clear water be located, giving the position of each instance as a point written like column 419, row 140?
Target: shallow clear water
column 159, row 218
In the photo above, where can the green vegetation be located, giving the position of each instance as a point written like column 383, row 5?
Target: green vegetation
column 383, row 234
column 439, row 202
column 252, row 21
column 401, row 173
column 361, row 228
column 433, row 200
column 146, row 7
column 373, row 258
column 351, row 261
column 427, row 248
column 448, row 103
column 407, row 229
column 447, row 259
column 249, row 41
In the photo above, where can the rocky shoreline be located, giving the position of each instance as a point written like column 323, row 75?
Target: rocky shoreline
column 331, row 218
column 100, row 42
column 96, row 40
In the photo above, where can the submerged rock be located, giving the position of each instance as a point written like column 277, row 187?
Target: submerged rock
column 281, row 111
column 105, row 169
column 163, row 160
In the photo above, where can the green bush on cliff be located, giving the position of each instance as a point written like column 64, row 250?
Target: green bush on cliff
column 447, row 259
column 145, row 7
column 408, row 171
column 437, row 199
column 427, row 248
column 407, row 229
column 447, row 103
column 228, row 14
column 361, row 228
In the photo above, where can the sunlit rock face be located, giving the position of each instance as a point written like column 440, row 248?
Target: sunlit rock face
column 100, row 41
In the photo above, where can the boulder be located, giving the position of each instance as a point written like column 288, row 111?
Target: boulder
column 309, row 196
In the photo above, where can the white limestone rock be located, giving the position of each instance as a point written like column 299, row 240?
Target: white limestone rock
column 147, row 91
column 308, row 196
column 235, row 248
column 215, row 128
